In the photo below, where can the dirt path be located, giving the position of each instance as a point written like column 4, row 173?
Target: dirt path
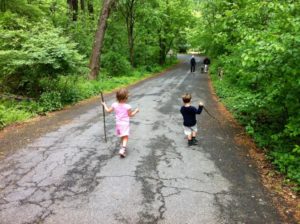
column 59, row 170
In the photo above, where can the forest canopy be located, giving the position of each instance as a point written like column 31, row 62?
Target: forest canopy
column 44, row 40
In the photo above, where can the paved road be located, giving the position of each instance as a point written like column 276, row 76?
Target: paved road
column 67, row 174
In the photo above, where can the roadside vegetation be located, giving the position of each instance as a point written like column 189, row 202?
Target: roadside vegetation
column 46, row 48
column 65, row 91
column 256, row 45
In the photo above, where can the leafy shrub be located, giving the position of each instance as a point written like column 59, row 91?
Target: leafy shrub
column 288, row 162
column 116, row 64
column 21, row 7
column 68, row 89
column 50, row 101
column 12, row 115
column 30, row 52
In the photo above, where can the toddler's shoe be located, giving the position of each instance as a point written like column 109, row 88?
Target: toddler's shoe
column 194, row 141
column 190, row 142
column 122, row 152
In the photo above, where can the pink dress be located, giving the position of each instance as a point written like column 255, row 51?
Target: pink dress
column 122, row 118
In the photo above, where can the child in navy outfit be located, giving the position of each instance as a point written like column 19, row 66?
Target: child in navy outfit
column 189, row 118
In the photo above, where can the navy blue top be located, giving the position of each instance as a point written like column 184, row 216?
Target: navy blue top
column 193, row 61
column 189, row 115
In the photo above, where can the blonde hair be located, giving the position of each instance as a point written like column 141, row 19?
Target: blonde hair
column 122, row 95
column 186, row 98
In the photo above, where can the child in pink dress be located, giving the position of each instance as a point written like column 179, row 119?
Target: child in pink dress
column 123, row 113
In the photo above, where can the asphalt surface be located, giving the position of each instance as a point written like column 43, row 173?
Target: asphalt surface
column 60, row 170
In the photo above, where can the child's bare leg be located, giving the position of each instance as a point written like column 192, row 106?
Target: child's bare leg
column 194, row 134
column 124, row 141
column 189, row 137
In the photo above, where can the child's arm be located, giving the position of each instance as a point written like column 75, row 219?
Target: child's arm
column 200, row 108
column 108, row 109
column 132, row 113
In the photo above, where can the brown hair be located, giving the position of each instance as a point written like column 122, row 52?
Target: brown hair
column 186, row 98
column 122, row 95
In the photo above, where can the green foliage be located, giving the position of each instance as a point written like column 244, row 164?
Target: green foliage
column 12, row 113
column 288, row 162
column 21, row 7
column 255, row 44
column 116, row 63
column 50, row 101
column 29, row 54
column 40, row 41
column 157, row 29
column 47, row 50
column 81, row 32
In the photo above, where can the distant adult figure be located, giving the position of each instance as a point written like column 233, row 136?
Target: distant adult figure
column 206, row 63
column 220, row 73
column 193, row 64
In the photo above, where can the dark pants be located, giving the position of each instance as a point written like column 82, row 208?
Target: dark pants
column 193, row 67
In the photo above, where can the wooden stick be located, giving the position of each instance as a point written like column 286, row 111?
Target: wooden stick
column 104, row 124
column 205, row 109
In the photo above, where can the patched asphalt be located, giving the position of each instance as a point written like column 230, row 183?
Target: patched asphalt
column 59, row 169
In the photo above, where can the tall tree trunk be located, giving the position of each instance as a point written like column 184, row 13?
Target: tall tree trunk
column 131, row 45
column 128, row 11
column 73, row 6
column 162, row 48
column 90, row 7
column 95, row 59
column 82, row 5
column 162, row 54
column 163, row 41
column 3, row 5
column 130, row 19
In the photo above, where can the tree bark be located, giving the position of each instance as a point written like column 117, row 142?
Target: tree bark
column 82, row 5
column 3, row 6
column 130, row 22
column 162, row 42
column 73, row 6
column 90, row 7
column 162, row 50
column 131, row 45
column 95, row 59
column 128, row 10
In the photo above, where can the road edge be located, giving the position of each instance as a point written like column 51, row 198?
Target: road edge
column 283, row 197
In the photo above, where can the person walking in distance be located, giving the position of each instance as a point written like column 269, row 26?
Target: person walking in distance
column 193, row 64
column 123, row 113
column 206, row 63
column 189, row 118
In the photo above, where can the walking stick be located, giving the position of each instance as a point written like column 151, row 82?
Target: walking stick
column 210, row 114
column 103, row 110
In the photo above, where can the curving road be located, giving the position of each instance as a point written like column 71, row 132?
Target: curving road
column 59, row 170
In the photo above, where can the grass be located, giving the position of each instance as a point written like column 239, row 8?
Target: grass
column 68, row 90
